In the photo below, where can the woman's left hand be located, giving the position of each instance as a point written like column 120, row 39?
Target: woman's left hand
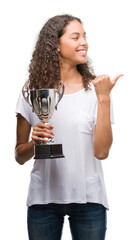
column 103, row 85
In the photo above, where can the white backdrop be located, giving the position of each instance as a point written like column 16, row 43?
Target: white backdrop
column 111, row 27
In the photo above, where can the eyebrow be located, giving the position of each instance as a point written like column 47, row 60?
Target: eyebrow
column 77, row 33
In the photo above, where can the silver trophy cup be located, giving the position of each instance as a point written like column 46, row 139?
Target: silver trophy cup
column 43, row 103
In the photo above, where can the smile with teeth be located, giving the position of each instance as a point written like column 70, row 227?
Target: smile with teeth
column 82, row 52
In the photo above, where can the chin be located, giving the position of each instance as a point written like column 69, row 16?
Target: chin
column 81, row 61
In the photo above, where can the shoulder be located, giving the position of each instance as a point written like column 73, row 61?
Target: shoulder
column 22, row 102
column 23, row 108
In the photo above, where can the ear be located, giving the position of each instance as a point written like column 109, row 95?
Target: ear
column 58, row 47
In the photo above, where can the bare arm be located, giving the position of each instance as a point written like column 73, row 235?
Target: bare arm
column 24, row 150
column 103, row 131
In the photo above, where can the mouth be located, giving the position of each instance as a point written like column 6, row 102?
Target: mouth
column 83, row 52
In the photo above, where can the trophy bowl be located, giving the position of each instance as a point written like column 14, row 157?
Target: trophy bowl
column 43, row 103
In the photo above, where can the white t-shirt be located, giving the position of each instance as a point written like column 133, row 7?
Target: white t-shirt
column 77, row 178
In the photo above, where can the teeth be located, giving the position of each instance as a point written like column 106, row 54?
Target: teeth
column 82, row 51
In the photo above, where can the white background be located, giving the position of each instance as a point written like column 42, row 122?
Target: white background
column 111, row 27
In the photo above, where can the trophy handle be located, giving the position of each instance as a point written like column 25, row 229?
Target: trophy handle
column 60, row 86
column 26, row 93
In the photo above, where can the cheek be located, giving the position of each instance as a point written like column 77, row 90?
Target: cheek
column 67, row 50
column 68, row 47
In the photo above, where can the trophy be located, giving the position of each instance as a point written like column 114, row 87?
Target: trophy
column 43, row 103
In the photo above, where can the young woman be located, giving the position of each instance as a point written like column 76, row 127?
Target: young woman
column 73, row 185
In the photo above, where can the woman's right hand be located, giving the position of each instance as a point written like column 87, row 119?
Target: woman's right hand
column 41, row 132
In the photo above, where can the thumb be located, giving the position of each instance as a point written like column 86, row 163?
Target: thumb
column 116, row 78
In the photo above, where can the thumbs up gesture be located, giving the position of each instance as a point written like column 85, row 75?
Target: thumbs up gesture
column 103, row 85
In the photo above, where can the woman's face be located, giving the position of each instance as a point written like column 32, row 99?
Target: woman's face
column 73, row 45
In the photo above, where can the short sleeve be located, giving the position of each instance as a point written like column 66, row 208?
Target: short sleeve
column 111, row 111
column 23, row 108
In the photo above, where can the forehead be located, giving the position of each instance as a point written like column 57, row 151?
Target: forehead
column 74, row 26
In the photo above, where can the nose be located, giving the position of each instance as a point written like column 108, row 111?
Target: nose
column 83, row 41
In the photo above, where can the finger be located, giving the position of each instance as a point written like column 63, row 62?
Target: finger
column 99, row 78
column 95, row 79
column 116, row 78
column 48, row 126
column 44, row 138
column 41, row 130
column 38, row 129
column 38, row 139
column 43, row 134
column 42, row 125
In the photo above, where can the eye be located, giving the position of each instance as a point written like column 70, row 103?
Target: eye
column 76, row 38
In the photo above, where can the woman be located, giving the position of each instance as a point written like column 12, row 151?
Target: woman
column 73, row 185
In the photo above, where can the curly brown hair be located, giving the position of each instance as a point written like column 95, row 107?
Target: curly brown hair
column 44, row 69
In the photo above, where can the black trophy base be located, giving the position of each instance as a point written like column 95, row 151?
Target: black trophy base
column 48, row 151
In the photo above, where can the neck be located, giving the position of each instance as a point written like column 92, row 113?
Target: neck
column 70, row 75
